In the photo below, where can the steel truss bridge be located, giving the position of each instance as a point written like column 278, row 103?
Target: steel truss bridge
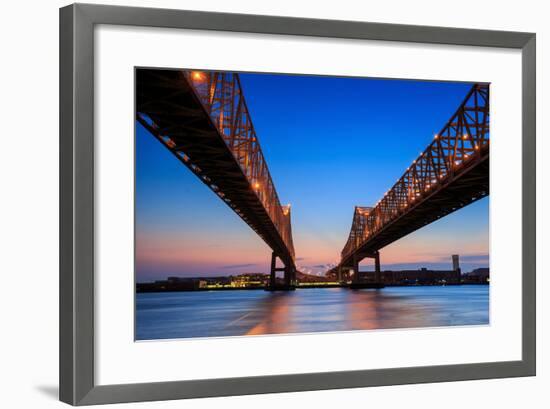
column 452, row 172
column 203, row 119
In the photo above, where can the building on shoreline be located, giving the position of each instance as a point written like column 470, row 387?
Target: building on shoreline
column 477, row 276
column 255, row 280
column 238, row 281
column 422, row 276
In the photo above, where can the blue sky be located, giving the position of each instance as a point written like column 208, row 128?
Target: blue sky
column 330, row 144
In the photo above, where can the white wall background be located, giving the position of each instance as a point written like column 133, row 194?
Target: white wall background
column 29, row 200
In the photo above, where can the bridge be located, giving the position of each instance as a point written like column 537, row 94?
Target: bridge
column 203, row 120
column 452, row 172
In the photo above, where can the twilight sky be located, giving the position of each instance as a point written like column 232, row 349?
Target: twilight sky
column 330, row 144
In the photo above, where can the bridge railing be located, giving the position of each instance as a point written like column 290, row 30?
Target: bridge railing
column 222, row 97
column 463, row 139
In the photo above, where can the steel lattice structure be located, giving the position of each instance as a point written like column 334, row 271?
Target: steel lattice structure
column 203, row 119
column 452, row 172
column 221, row 94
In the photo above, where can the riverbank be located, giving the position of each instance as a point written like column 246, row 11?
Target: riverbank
column 164, row 289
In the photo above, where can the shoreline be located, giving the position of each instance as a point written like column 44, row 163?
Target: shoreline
column 299, row 287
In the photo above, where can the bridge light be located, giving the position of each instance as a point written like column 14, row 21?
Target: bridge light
column 476, row 147
column 197, row 75
column 436, row 136
column 256, row 185
column 465, row 136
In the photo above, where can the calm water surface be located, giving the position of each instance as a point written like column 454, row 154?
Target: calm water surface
column 230, row 313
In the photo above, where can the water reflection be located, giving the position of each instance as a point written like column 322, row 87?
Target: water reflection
column 230, row 313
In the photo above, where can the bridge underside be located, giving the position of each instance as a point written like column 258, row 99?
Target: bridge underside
column 470, row 185
column 176, row 117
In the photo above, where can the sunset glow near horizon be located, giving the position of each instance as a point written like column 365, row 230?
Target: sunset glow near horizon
column 331, row 144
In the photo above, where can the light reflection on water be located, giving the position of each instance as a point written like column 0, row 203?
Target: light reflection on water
column 255, row 312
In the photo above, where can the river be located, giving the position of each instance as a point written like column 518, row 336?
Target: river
column 254, row 312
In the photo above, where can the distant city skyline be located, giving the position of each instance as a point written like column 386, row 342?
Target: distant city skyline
column 330, row 144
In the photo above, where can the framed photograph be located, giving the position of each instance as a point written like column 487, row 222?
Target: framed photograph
column 254, row 204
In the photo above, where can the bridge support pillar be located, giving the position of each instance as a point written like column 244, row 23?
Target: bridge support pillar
column 272, row 275
column 356, row 275
column 377, row 275
column 289, row 275
column 358, row 281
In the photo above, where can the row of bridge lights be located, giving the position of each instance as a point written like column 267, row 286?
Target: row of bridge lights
column 429, row 185
column 257, row 186
column 199, row 77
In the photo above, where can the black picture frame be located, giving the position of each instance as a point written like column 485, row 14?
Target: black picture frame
column 77, row 21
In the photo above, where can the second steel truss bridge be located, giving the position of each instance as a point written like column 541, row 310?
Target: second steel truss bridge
column 202, row 118
column 452, row 172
